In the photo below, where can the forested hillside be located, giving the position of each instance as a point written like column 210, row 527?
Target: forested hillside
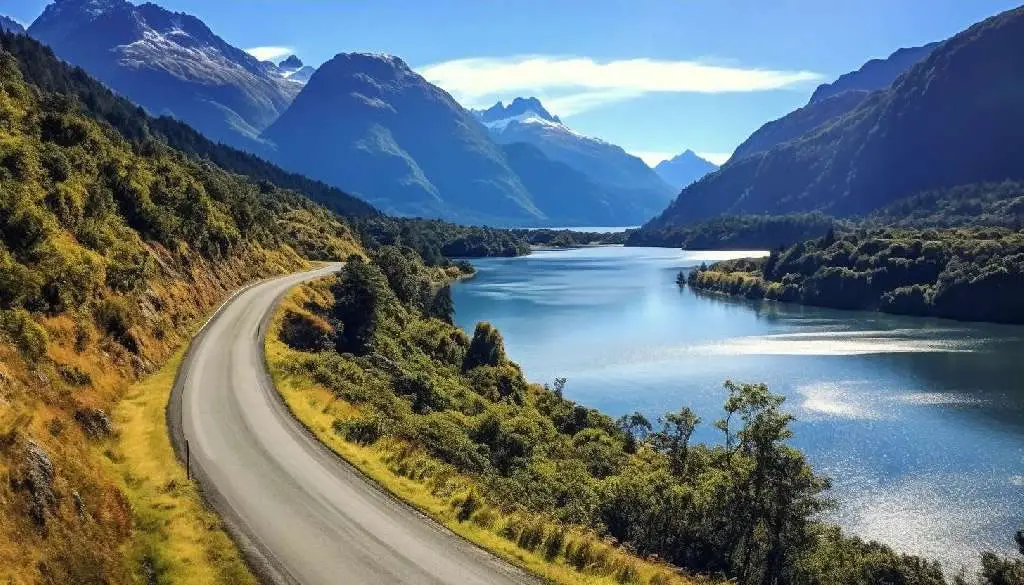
column 111, row 249
column 972, row 274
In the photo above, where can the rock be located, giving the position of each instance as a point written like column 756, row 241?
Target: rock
column 36, row 478
column 95, row 422
column 79, row 505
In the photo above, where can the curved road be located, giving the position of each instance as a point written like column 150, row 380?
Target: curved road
column 300, row 514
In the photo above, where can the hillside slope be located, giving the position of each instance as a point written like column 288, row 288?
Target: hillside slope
column 953, row 119
column 109, row 254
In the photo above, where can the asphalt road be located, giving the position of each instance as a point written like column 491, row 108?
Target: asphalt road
column 300, row 513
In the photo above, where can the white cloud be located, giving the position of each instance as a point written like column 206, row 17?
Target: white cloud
column 269, row 53
column 576, row 84
column 718, row 158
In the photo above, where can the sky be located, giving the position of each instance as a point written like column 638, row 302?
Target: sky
column 653, row 76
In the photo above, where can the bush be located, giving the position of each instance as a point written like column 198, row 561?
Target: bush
column 486, row 349
column 28, row 336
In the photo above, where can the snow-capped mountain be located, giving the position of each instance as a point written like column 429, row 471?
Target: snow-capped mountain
column 684, row 169
column 629, row 183
column 170, row 63
column 294, row 70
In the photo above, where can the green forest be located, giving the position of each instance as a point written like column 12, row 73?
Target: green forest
column 925, row 272
column 746, row 507
column 735, row 232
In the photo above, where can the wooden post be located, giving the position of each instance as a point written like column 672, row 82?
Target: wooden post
column 188, row 466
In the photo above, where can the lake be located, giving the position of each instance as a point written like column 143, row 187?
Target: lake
column 919, row 422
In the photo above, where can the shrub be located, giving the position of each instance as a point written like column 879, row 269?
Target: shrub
column 28, row 336
column 486, row 349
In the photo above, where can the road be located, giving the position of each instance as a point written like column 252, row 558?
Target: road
column 299, row 513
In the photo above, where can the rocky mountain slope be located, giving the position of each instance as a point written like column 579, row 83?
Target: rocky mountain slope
column 8, row 24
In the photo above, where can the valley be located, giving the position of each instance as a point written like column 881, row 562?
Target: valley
column 280, row 306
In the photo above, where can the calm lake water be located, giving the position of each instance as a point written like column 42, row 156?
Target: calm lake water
column 919, row 422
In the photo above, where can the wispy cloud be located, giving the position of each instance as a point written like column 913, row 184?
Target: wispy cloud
column 269, row 53
column 718, row 158
column 576, row 84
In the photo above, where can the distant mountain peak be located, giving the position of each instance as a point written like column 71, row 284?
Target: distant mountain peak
column 519, row 108
column 292, row 62
column 684, row 168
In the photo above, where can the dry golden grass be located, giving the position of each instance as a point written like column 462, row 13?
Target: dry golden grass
column 406, row 473
column 176, row 535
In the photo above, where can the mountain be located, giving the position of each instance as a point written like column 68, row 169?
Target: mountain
column 170, row 63
column 630, row 185
column 953, row 119
column 876, row 73
column 684, row 169
column 567, row 196
column 830, row 101
column 370, row 124
column 8, row 24
column 799, row 122
column 294, row 70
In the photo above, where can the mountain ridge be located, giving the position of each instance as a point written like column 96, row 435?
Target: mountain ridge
column 831, row 101
column 171, row 63
column 889, row 146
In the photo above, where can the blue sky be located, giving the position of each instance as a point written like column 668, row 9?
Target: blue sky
column 654, row 76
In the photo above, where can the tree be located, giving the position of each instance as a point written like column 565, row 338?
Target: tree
column 357, row 301
column 636, row 427
column 486, row 349
column 674, row 438
column 441, row 305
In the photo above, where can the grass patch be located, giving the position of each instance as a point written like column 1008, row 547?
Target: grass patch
column 177, row 538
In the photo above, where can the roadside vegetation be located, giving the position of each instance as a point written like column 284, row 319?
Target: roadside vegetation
column 447, row 422
column 930, row 272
